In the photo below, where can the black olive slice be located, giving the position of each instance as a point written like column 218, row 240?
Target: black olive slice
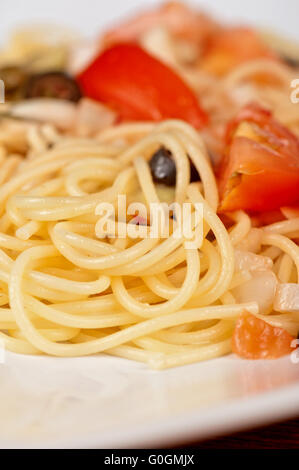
column 291, row 61
column 194, row 176
column 53, row 85
column 163, row 168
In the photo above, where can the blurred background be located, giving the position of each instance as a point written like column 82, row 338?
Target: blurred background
column 90, row 16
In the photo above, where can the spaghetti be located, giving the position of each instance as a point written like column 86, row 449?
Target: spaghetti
column 71, row 294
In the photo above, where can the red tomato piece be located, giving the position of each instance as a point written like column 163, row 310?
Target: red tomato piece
column 140, row 87
column 260, row 169
column 178, row 18
column 255, row 339
column 230, row 47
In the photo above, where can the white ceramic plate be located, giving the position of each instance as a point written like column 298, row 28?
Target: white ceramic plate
column 107, row 402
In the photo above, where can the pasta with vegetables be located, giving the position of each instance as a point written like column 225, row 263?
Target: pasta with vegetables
column 171, row 109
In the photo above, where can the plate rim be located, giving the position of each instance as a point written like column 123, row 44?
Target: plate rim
column 256, row 410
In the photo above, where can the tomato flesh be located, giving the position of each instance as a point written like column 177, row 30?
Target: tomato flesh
column 255, row 339
column 260, row 169
column 140, row 87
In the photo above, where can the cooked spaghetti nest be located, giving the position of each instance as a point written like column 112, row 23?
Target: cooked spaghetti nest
column 65, row 292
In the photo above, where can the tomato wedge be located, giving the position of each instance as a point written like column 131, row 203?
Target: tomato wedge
column 178, row 18
column 229, row 47
column 260, row 169
column 255, row 339
column 140, row 87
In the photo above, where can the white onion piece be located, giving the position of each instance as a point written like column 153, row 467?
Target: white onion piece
column 287, row 298
column 92, row 117
column 247, row 261
column 290, row 212
column 261, row 289
column 252, row 242
column 60, row 113
column 158, row 42
column 82, row 54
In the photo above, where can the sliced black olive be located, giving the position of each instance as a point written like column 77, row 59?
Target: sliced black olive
column 291, row 61
column 163, row 167
column 53, row 85
column 194, row 176
column 14, row 78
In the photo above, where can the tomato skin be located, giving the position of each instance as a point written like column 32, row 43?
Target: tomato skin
column 262, row 186
column 140, row 87
column 263, row 174
column 255, row 339
column 278, row 135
